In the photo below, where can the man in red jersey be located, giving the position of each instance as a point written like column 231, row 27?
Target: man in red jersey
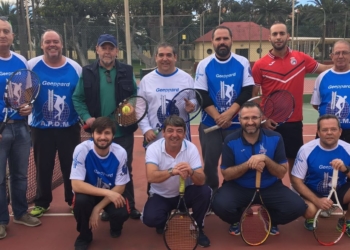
column 283, row 68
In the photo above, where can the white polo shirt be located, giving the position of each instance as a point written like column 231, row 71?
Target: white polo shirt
column 157, row 155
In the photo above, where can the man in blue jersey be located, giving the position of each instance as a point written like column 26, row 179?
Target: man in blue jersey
column 55, row 126
column 167, row 160
column 14, row 141
column 101, row 87
column 159, row 87
column 312, row 170
column 99, row 175
column 225, row 83
column 332, row 88
column 246, row 151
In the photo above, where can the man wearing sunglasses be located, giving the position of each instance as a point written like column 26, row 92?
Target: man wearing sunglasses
column 102, row 85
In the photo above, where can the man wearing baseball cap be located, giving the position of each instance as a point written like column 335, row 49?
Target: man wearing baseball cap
column 102, row 85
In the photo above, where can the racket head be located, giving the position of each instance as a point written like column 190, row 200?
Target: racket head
column 181, row 231
column 255, row 224
column 177, row 105
column 22, row 87
column 255, row 221
column 329, row 230
column 138, row 108
column 279, row 106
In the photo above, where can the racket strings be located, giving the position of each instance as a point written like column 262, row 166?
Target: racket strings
column 22, row 88
column 329, row 230
column 181, row 233
column 279, row 106
column 131, row 111
column 255, row 225
column 177, row 105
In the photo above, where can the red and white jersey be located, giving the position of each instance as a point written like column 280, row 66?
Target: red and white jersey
column 273, row 73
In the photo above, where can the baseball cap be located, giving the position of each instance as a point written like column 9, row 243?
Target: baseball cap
column 107, row 38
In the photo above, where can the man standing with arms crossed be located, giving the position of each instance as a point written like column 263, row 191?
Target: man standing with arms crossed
column 14, row 141
column 283, row 68
column 224, row 80
column 52, row 132
column 101, row 87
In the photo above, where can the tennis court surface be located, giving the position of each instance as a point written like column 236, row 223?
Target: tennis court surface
column 58, row 232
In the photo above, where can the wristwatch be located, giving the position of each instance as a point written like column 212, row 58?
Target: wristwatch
column 170, row 171
column 347, row 170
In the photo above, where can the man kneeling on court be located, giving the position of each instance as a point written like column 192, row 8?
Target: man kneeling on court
column 245, row 152
column 99, row 174
column 312, row 171
column 167, row 160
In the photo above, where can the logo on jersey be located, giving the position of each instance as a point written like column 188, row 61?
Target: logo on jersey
column 262, row 149
column 293, row 61
column 225, row 96
column 124, row 170
column 271, row 63
column 338, row 106
column 55, row 110
column 75, row 160
column 198, row 75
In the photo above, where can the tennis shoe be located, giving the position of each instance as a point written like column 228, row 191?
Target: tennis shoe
column 235, row 229
column 203, row 240
column 2, row 231
column 309, row 224
column 38, row 211
column 340, row 226
column 325, row 214
column 274, row 230
column 27, row 220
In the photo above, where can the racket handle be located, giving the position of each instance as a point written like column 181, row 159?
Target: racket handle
column 145, row 143
column 182, row 185
column 2, row 127
column 207, row 130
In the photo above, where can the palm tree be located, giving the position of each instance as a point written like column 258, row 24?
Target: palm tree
column 9, row 10
column 269, row 11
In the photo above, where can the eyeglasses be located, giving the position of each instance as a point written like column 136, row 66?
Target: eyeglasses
column 344, row 53
column 4, row 18
column 108, row 76
column 247, row 118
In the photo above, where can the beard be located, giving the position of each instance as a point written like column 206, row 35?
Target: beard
column 280, row 47
column 104, row 146
column 223, row 50
column 251, row 129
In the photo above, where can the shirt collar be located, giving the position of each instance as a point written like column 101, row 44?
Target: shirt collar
column 289, row 50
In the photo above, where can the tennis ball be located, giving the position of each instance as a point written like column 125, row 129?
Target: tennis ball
column 126, row 109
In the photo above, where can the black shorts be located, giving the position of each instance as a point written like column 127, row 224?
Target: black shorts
column 341, row 191
column 292, row 134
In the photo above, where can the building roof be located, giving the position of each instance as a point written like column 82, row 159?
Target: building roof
column 241, row 31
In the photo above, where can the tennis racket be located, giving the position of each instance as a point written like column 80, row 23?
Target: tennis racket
column 181, row 231
column 329, row 231
column 278, row 106
column 22, row 88
column 130, row 111
column 256, row 226
column 177, row 106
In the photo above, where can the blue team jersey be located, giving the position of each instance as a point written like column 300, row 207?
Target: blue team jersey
column 103, row 172
column 224, row 81
column 7, row 67
column 237, row 150
column 332, row 95
column 54, row 107
column 313, row 165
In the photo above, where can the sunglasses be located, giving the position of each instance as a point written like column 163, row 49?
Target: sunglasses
column 4, row 18
column 108, row 76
